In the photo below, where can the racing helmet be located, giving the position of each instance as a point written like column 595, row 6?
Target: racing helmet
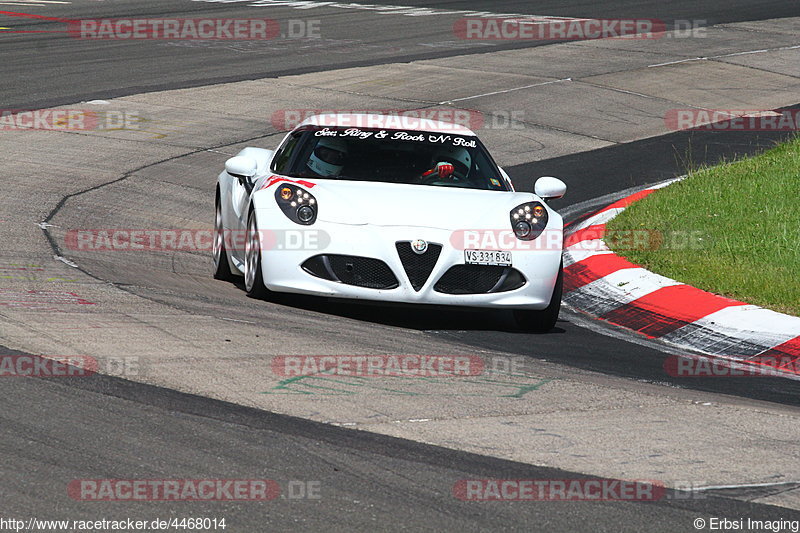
column 458, row 156
column 328, row 157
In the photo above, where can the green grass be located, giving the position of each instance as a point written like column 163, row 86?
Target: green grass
column 743, row 220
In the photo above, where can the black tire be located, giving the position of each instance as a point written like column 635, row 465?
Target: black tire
column 222, row 269
column 545, row 320
column 253, row 277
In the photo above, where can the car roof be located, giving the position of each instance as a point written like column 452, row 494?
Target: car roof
column 401, row 122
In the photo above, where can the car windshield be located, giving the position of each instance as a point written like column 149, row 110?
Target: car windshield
column 390, row 156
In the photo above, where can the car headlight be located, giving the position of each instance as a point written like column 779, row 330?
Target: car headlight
column 529, row 220
column 297, row 203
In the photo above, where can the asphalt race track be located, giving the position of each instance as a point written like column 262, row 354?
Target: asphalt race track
column 370, row 482
column 33, row 65
column 591, row 401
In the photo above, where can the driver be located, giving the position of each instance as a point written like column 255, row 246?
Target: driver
column 328, row 157
column 450, row 162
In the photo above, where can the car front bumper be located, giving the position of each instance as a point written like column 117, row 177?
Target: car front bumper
column 292, row 245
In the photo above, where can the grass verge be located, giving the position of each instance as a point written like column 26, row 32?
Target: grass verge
column 731, row 229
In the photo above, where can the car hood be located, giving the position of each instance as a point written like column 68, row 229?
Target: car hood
column 388, row 204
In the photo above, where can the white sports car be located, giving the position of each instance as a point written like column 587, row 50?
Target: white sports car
column 413, row 213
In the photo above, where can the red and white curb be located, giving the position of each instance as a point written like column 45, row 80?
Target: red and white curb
column 609, row 287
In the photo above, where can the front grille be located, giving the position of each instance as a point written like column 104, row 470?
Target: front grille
column 479, row 279
column 352, row 270
column 418, row 267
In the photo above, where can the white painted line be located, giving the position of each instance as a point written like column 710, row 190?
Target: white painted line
column 505, row 91
column 734, row 54
column 604, row 200
column 617, row 90
column 408, row 11
column 65, row 261
column 665, row 183
column 36, row 3
column 235, row 320
column 745, row 486
column 676, row 62
column 603, row 217
column 757, row 51
column 600, row 218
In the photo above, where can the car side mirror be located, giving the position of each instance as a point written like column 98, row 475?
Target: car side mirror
column 241, row 167
column 549, row 188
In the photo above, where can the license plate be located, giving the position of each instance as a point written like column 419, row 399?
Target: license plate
column 487, row 257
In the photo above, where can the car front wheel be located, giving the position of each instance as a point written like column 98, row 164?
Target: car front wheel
column 253, row 277
column 544, row 320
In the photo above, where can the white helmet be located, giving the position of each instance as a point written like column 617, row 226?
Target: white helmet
column 458, row 156
column 328, row 157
